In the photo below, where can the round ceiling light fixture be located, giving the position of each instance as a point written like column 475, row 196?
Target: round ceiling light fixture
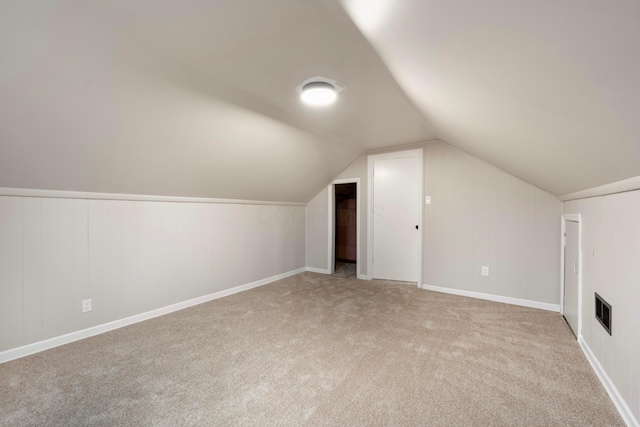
column 319, row 91
column 318, row 94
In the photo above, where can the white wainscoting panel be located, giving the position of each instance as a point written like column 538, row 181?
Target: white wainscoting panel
column 130, row 257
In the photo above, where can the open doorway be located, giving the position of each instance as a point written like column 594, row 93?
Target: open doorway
column 344, row 227
column 345, row 233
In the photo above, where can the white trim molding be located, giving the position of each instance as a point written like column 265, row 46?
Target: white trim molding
column 56, row 194
column 330, row 228
column 495, row 298
column 614, row 394
column 623, row 186
column 50, row 343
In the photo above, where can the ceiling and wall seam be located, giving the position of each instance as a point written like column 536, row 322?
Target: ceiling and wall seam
column 432, row 141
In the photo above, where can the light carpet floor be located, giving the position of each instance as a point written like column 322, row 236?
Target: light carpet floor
column 317, row 350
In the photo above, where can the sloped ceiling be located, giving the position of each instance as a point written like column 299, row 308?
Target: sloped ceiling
column 188, row 98
column 197, row 98
column 548, row 91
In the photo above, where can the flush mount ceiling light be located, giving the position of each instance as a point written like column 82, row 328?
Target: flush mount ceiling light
column 319, row 91
column 318, row 94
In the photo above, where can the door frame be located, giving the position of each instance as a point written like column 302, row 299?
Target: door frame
column 563, row 242
column 332, row 222
column 419, row 153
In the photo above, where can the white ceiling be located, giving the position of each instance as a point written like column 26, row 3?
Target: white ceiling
column 197, row 98
column 548, row 91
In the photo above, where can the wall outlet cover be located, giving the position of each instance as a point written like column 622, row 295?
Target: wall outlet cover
column 485, row 270
column 86, row 305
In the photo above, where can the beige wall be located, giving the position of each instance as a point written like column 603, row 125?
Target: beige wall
column 611, row 267
column 317, row 244
column 479, row 216
column 130, row 257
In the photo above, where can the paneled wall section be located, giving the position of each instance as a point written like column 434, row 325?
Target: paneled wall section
column 479, row 216
column 317, row 244
column 611, row 267
column 130, row 257
column 482, row 216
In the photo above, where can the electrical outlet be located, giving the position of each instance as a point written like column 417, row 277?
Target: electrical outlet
column 86, row 305
column 485, row 270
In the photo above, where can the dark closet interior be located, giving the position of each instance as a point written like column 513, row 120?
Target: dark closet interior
column 346, row 219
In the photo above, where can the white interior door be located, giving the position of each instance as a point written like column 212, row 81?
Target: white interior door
column 571, row 269
column 396, row 218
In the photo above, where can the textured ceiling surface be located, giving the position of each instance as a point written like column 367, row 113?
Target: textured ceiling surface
column 197, row 98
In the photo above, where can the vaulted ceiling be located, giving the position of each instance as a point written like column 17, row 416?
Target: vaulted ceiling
column 198, row 98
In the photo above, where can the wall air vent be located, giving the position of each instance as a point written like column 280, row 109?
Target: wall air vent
column 603, row 313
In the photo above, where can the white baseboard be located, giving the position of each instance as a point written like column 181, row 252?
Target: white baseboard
column 621, row 405
column 363, row 277
column 39, row 346
column 496, row 298
column 318, row 270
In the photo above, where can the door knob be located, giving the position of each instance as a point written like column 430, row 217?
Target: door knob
column 417, row 227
